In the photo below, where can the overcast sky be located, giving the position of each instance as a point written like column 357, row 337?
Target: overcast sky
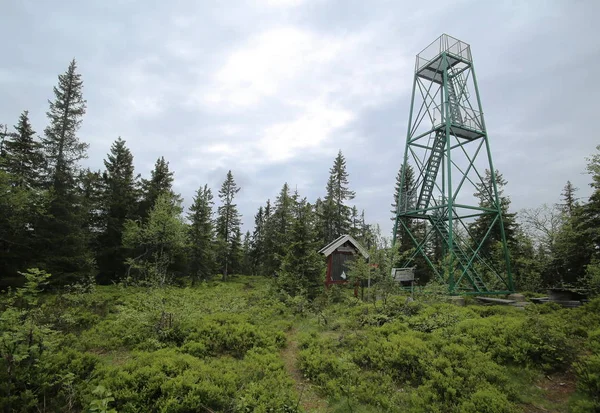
column 272, row 89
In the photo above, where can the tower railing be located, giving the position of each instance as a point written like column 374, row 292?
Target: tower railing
column 442, row 44
column 470, row 118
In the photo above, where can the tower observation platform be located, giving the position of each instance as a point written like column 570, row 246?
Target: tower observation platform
column 448, row 148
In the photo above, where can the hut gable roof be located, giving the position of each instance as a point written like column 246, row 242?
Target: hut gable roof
column 335, row 244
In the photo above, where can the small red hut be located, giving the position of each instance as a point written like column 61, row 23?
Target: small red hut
column 339, row 253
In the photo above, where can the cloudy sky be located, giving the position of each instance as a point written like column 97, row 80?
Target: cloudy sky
column 272, row 89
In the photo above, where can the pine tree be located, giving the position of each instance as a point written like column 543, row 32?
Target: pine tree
column 228, row 223
column 62, row 147
column 320, row 219
column 201, row 236
column 569, row 200
column 578, row 240
column 336, row 215
column 481, row 225
column 246, row 253
column 354, row 223
column 157, row 242
column 302, row 268
column 23, row 157
column 119, row 203
column 20, row 209
column 92, row 192
column 268, row 210
column 257, row 244
column 3, row 138
column 279, row 226
column 267, row 264
column 23, row 198
column 589, row 222
column 63, row 238
column 161, row 181
column 366, row 236
column 402, row 237
column 236, row 253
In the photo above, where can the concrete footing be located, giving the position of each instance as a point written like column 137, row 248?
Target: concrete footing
column 457, row 300
column 520, row 298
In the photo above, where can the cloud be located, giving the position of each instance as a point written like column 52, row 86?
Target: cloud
column 273, row 88
column 267, row 65
column 310, row 131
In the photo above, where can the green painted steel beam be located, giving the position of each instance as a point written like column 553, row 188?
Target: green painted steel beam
column 442, row 168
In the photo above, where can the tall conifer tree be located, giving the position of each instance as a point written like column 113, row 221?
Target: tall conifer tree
column 486, row 200
column 336, row 214
column 228, row 224
column 409, row 180
column 23, row 157
column 119, row 203
column 201, row 234
column 161, row 181
column 63, row 241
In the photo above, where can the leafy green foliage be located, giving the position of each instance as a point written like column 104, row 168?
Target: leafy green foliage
column 157, row 242
column 217, row 347
column 101, row 405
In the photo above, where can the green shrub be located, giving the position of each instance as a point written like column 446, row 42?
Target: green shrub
column 487, row 400
column 438, row 316
column 588, row 376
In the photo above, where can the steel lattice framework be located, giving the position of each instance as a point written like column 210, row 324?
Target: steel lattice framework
column 448, row 147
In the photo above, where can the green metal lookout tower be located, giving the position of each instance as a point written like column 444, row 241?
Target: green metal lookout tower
column 447, row 146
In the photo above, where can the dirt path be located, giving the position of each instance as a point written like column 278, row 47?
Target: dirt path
column 557, row 388
column 310, row 401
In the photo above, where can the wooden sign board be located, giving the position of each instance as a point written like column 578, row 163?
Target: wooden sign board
column 403, row 274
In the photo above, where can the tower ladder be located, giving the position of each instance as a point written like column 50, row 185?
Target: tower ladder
column 453, row 100
column 431, row 171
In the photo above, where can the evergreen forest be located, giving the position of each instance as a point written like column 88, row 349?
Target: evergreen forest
column 116, row 298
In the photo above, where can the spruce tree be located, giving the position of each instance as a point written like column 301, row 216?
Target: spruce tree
column 3, row 137
column 569, row 201
column 590, row 214
column 63, row 237
column 157, row 242
column 246, row 250
column 302, row 268
column 279, row 226
column 20, row 209
column 161, row 181
column 402, row 237
column 236, row 253
column 119, row 203
column 23, row 199
column 267, row 264
column 24, row 160
column 481, row 225
column 92, row 193
column 320, row 219
column 257, row 244
column 228, row 224
column 336, row 213
column 328, row 216
column 201, row 236
column 354, row 223
column 62, row 148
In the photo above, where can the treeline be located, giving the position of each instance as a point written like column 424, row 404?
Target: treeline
column 112, row 225
column 549, row 246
